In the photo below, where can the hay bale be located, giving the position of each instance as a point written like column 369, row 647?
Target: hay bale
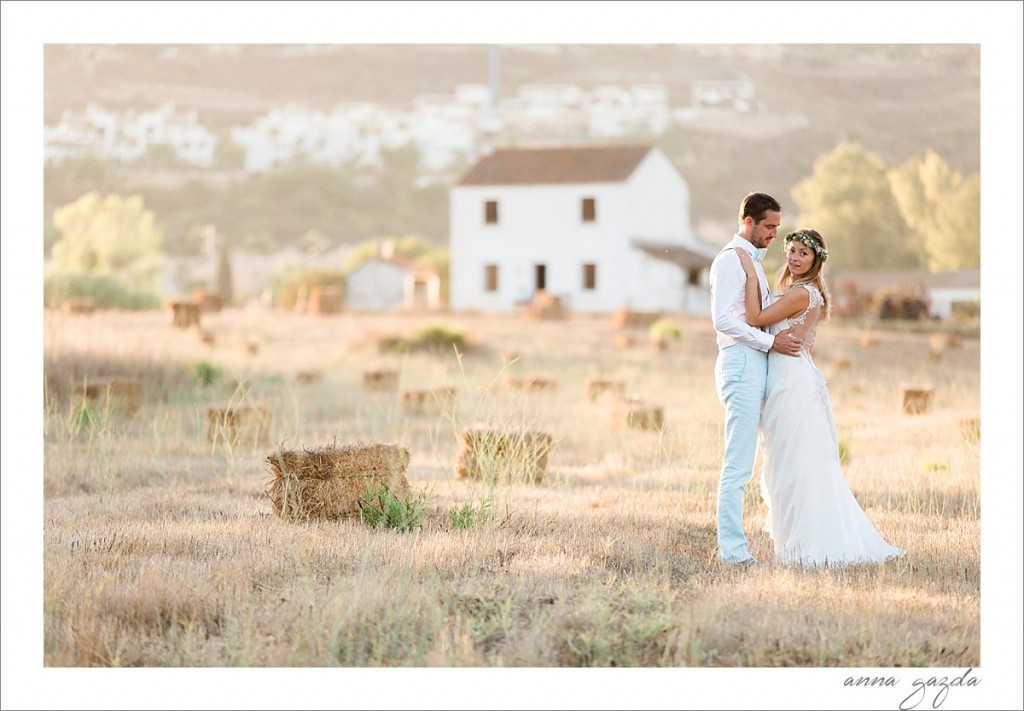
column 380, row 381
column 595, row 388
column 328, row 483
column 867, row 340
column 530, row 383
column 324, row 300
column 252, row 346
column 640, row 416
column 536, row 384
column 624, row 318
column 235, row 425
column 970, row 429
column 78, row 306
column 184, row 314
column 429, row 401
column 546, row 306
column 493, row 455
column 209, row 301
column 915, row 399
column 124, row 396
column 308, row 376
column 843, row 363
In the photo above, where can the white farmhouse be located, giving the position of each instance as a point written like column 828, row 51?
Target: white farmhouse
column 601, row 227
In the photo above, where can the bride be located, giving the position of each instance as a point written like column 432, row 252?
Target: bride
column 813, row 518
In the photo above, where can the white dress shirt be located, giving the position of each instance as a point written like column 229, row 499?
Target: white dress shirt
column 728, row 298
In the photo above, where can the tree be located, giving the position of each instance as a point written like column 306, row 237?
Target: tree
column 848, row 200
column 942, row 208
column 225, row 285
column 410, row 247
column 112, row 235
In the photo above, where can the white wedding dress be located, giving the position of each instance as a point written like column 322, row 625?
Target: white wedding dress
column 813, row 518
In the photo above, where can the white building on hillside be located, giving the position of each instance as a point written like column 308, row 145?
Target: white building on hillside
column 601, row 227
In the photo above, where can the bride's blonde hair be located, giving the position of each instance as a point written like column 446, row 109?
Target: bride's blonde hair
column 814, row 275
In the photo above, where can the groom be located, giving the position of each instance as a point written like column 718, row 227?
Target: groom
column 741, row 370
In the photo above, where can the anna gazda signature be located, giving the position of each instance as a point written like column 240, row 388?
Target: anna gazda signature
column 931, row 691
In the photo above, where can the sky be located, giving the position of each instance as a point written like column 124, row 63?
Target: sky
column 27, row 26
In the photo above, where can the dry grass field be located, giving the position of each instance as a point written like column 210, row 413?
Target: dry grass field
column 162, row 548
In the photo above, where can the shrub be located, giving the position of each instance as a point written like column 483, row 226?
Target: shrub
column 290, row 282
column 430, row 339
column 207, row 373
column 107, row 292
column 665, row 329
column 469, row 515
column 436, row 338
column 379, row 508
column 844, row 451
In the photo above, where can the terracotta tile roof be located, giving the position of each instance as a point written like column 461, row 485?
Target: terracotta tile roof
column 546, row 166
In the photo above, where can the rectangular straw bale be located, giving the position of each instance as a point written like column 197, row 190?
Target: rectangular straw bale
column 240, row 424
column 209, row 301
column 83, row 305
column 184, row 314
column 594, row 388
column 428, row 401
column 121, row 395
column 536, row 384
column 916, row 400
column 546, row 306
column 329, row 482
column 324, row 300
column 378, row 381
column 503, row 456
column 645, row 417
column 308, row 376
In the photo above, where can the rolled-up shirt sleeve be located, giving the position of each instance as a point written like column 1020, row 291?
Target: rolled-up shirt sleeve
column 728, row 308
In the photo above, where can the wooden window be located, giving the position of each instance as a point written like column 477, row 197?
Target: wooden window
column 589, row 277
column 589, row 210
column 491, row 212
column 491, row 277
column 693, row 277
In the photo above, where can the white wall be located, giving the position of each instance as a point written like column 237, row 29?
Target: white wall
column 942, row 300
column 375, row 285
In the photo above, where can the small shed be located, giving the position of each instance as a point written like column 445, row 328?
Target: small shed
column 389, row 282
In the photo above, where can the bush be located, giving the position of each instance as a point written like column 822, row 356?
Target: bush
column 430, row 339
column 665, row 329
column 106, row 292
column 469, row 515
column 289, row 283
column 438, row 339
column 379, row 508
column 207, row 373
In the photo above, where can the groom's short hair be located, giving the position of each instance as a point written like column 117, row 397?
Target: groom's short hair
column 756, row 204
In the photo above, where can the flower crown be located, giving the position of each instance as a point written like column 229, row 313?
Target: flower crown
column 809, row 240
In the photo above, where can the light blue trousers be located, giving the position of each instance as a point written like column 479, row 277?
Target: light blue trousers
column 741, row 373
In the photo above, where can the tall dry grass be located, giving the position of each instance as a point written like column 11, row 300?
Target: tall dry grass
column 161, row 548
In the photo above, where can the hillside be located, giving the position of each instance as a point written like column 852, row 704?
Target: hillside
column 896, row 100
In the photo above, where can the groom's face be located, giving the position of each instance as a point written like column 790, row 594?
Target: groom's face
column 762, row 233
